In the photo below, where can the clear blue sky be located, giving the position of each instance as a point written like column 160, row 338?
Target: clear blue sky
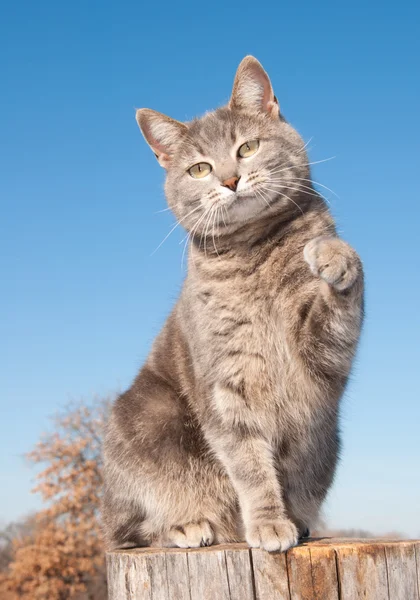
column 81, row 296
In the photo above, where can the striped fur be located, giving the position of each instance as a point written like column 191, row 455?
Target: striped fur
column 230, row 430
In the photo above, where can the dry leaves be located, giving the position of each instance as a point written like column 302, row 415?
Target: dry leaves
column 62, row 556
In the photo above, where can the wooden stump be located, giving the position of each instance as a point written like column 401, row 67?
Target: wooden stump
column 319, row 569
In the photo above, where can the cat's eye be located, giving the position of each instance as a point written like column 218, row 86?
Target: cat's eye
column 248, row 149
column 200, row 170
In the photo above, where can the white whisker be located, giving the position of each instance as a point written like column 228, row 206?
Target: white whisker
column 212, row 229
column 261, row 195
column 175, row 226
column 161, row 211
column 316, row 162
column 308, row 142
column 301, row 188
column 283, row 194
column 191, row 234
column 305, row 146
column 317, row 183
column 187, row 239
column 205, row 231
column 223, row 212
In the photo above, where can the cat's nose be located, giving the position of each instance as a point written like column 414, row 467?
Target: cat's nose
column 231, row 183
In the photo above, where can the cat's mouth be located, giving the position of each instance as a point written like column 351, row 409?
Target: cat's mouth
column 252, row 194
column 247, row 193
column 240, row 199
column 245, row 206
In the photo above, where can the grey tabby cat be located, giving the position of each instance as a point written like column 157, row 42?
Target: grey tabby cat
column 230, row 430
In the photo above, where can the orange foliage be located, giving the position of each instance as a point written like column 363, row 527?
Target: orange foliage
column 63, row 556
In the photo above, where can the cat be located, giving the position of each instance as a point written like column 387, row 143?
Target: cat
column 230, row 432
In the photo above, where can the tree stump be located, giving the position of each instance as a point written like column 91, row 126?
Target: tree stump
column 319, row 569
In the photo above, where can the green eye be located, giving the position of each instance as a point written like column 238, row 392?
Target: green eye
column 199, row 170
column 248, row 149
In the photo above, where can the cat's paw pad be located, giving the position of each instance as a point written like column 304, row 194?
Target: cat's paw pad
column 333, row 260
column 191, row 535
column 272, row 535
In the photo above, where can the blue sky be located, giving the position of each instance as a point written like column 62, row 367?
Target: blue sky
column 82, row 296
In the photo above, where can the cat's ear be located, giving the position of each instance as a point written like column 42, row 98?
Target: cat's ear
column 161, row 133
column 252, row 89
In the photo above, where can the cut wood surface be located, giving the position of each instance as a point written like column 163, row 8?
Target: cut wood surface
column 318, row 569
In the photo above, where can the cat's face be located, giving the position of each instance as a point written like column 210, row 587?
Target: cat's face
column 234, row 165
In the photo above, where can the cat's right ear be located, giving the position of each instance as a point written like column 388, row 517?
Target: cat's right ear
column 161, row 133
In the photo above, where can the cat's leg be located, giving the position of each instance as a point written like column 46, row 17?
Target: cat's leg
column 322, row 304
column 331, row 324
column 303, row 509
column 305, row 486
column 189, row 508
column 134, row 528
column 121, row 524
column 162, row 484
column 190, row 505
column 247, row 456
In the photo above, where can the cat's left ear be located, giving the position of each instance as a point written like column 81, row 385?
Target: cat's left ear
column 252, row 89
column 162, row 133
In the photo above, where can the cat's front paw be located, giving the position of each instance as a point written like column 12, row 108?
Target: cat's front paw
column 272, row 535
column 191, row 535
column 334, row 261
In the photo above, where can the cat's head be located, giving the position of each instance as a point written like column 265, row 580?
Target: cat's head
column 234, row 165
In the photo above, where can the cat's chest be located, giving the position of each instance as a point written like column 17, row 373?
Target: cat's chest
column 244, row 319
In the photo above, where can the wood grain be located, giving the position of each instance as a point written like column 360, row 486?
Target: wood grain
column 402, row 571
column 270, row 576
column 324, row 573
column 320, row 569
column 240, row 575
column 362, row 572
column 208, row 575
column 178, row 576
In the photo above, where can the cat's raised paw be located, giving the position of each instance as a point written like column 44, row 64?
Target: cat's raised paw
column 334, row 261
column 279, row 534
column 191, row 535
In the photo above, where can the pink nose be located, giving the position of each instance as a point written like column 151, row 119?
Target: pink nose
column 231, row 183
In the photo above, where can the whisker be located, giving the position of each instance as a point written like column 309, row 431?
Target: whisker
column 196, row 224
column 285, row 195
column 261, row 195
column 161, row 211
column 302, row 188
column 191, row 234
column 219, row 213
column 205, row 231
column 317, row 183
column 175, row 226
column 305, row 146
column 187, row 239
column 308, row 142
column 223, row 212
column 201, row 219
column 315, row 162
column 212, row 229
column 209, row 225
